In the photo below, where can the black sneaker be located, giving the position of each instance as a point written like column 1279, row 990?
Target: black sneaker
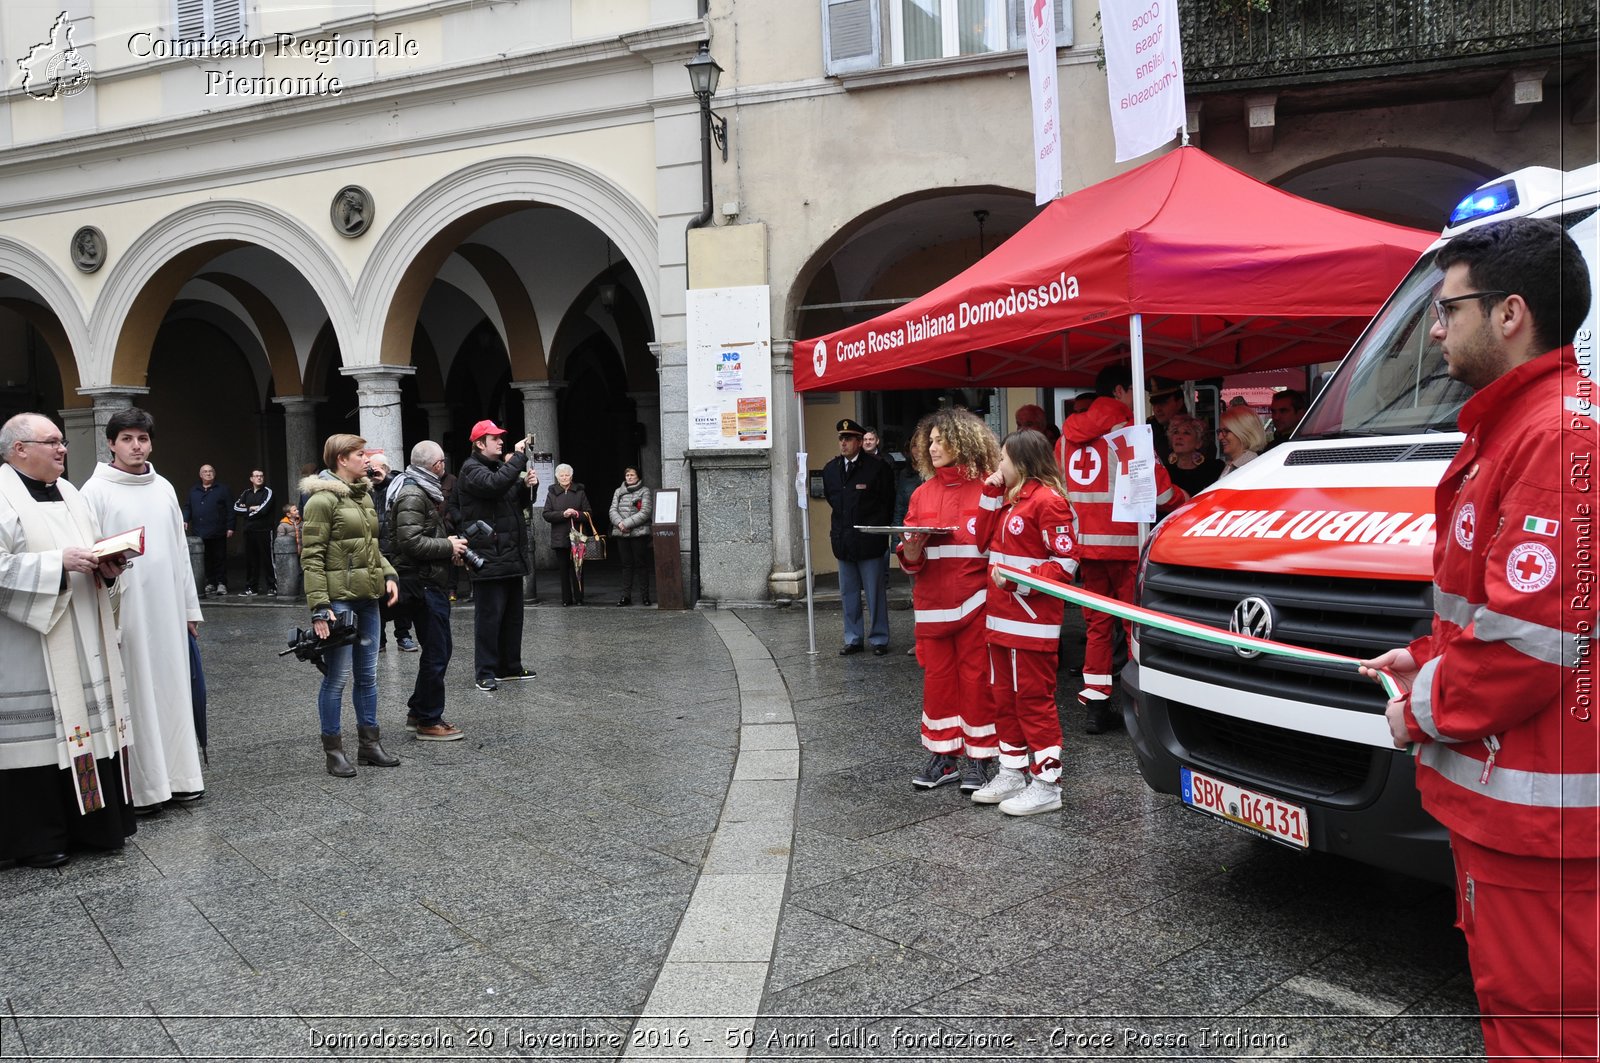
column 519, row 674
column 974, row 775
column 183, row 797
column 488, row 682
column 939, row 770
column 1102, row 717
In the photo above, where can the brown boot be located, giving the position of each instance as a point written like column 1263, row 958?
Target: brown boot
column 338, row 763
column 370, row 751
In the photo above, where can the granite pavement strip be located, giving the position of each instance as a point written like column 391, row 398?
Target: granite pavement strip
column 615, row 849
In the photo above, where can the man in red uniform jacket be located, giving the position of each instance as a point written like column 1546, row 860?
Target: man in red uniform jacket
column 1108, row 549
column 1500, row 696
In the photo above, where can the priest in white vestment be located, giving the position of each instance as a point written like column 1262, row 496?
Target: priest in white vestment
column 63, row 709
column 158, row 609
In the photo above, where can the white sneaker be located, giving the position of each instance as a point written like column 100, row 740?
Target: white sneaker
column 1038, row 797
column 1007, row 781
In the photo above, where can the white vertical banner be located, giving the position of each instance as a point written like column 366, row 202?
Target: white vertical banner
column 1042, row 78
column 1144, row 73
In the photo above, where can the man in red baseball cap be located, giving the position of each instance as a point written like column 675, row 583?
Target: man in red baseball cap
column 496, row 491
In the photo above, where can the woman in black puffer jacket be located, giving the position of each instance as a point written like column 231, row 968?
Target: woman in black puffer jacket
column 566, row 507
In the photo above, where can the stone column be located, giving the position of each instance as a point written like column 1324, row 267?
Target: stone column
column 77, row 425
column 300, row 442
column 539, row 420
column 788, row 567
column 648, row 405
column 438, row 422
column 671, row 366
column 378, row 396
column 107, row 401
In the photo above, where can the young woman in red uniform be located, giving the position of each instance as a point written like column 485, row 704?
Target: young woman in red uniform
column 955, row 452
column 1027, row 524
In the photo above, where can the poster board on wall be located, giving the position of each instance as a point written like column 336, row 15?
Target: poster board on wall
column 730, row 368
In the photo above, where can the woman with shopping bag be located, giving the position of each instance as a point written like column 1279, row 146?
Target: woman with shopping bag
column 566, row 507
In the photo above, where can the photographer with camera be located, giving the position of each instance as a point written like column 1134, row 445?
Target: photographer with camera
column 423, row 555
column 496, row 492
column 345, row 576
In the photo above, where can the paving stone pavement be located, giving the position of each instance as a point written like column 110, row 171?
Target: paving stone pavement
column 620, row 850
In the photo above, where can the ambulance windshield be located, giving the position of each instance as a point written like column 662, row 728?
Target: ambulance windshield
column 1395, row 381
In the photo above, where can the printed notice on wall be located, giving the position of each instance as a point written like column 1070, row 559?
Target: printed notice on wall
column 730, row 368
column 705, row 427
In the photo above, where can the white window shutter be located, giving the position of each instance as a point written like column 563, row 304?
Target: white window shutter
column 191, row 19
column 227, row 19
column 1019, row 23
column 850, row 35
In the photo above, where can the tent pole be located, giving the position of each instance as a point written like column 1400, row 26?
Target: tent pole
column 1136, row 346
column 805, row 528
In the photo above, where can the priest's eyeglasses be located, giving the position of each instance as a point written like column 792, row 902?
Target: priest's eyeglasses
column 1443, row 307
column 58, row 443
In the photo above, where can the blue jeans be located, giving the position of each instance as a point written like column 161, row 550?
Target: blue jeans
column 871, row 576
column 431, row 612
column 364, row 653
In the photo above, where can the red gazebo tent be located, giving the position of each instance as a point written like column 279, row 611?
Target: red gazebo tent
column 1190, row 266
column 1219, row 272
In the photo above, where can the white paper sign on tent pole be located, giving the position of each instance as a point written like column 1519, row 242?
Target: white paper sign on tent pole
column 1132, row 454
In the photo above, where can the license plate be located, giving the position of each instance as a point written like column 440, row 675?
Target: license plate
column 1256, row 812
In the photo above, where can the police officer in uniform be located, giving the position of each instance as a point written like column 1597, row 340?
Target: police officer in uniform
column 860, row 489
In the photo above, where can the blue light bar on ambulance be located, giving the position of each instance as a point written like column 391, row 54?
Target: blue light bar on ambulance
column 1490, row 199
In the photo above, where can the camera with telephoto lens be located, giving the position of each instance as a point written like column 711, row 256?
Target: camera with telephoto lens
column 306, row 646
column 476, row 530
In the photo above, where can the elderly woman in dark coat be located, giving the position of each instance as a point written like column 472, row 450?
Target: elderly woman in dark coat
column 566, row 506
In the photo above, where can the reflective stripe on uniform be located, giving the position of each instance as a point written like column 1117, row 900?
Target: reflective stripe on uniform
column 1096, row 680
column 1422, row 701
column 1536, row 789
column 1015, row 560
column 945, row 616
column 1021, row 627
column 990, row 501
column 1092, row 539
column 1164, row 497
column 1453, row 607
column 1548, row 644
column 933, row 553
column 1090, row 497
column 944, row 723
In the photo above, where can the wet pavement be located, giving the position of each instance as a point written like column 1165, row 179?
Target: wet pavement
column 688, row 837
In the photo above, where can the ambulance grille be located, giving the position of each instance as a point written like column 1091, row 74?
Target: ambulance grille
column 1368, row 454
column 1352, row 617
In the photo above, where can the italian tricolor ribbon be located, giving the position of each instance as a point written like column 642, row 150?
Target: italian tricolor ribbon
column 1179, row 626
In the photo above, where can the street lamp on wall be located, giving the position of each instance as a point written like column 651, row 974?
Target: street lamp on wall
column 704, row 74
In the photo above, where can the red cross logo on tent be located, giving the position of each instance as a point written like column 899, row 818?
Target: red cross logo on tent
column 1085, row 466
column 1466, row 524
column 1530, row 567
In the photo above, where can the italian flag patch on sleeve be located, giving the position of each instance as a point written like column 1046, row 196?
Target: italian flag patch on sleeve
column 1540, row 526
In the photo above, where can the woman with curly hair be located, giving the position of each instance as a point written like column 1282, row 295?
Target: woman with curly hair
column 954, row 451
column 1027, row 524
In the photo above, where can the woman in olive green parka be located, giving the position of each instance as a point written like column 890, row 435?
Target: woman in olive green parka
column 345, row 574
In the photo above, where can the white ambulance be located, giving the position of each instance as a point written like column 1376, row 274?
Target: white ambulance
column 1324, row 541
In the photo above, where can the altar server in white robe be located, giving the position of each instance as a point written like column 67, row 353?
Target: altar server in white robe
column 64, row 726
column 157, row 609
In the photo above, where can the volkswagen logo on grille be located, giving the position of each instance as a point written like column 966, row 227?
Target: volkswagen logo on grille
column 1252, row 616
